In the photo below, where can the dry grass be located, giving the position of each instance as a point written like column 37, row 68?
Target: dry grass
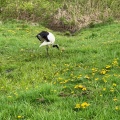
column 71, row 15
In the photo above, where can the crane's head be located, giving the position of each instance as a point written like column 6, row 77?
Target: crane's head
column 39, row 37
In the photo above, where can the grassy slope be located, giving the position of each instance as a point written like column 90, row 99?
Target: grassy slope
column 34, row 87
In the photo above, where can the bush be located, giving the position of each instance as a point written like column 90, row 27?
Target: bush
column 69, row 15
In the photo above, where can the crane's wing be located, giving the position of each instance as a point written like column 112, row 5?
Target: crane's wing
column 51, row 38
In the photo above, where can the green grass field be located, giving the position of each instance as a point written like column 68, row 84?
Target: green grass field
column 78, row 82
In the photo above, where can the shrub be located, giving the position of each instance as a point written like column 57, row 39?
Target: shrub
column 68, row 15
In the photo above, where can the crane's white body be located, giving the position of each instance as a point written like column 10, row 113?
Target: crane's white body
column 51, row 39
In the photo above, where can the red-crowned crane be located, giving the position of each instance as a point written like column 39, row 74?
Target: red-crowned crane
column 47, row 38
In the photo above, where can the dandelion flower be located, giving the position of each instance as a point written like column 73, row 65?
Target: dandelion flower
column 54, row 82
column 94, row 70
column 72, row 92
column 114, row 99
column 19, row 116
column 104, row 89
column 112, row 90
column 60, row 78
column 116, row 108
column 108, row 67
column 104, row 80
column 79, row 77
column 84, row 105
column 80, row 86
column 22, row 49
column 114, row 84
column 115, row 62
column 84, row 89
column 103, row 71
column 71, row 74
column 93, row 74
column 96, row 79
column 26, row 88
column 76, row 86
column 87, row 77
column 101, row 95
column 77, row 106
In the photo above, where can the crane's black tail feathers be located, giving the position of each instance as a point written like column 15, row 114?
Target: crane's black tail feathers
column 57, row 46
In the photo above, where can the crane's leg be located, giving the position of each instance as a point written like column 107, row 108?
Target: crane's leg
column 47, row 50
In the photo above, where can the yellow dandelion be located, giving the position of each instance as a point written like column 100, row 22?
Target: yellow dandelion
column 61, row 82
column 71, row 74
column 87, row 77
column 66, row 65
column 77, row 106
column 76, row 86
column 108, row 67
column 66, row 81
column 114, row 99
column 21, row 49
column 103, row 71
column 26, row 88
column 54, row 82
column 96, row 79
column 104, row 89
column 104, row 80
column 84, row 105
column 80, row 86
column 27, row 31
column 60, row 78
column 94, row 70
column 116, row 108
column 15, row 94
column 19, row 116
column 72, row 92
column 79, row 76
column 74, row 77
column 56, row 74
column 84, row 89
column 114, row 84
column 55, row 90
column 93, row 74
column 112, row 90
column 101, row 95
column 115, row 62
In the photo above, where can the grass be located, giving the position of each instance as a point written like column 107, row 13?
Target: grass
column 79, row 82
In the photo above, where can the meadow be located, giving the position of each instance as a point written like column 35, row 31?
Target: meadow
column 78, row 82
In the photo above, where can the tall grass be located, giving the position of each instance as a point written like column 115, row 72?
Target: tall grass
column 71, row 15
column 81, row 81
